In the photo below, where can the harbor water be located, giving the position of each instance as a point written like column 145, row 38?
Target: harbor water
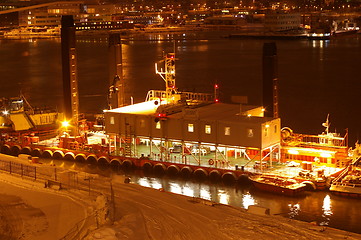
column 316, row 78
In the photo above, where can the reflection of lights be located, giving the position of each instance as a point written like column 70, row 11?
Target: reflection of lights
column 5, row 112
column 292, row 151
column 175, row 188
column 188, row 191
column 205, row 194
column 325, row 155
column 143, row 182
column 247, row 200
column 294, row 209
column 223, row 197
column 326, row 207
column 156, row 184
column 65, row 124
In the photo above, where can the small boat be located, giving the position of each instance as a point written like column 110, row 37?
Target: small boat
column 348, row 183
column 278, row 184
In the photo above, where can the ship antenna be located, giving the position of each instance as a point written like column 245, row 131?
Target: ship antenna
column 327, row 124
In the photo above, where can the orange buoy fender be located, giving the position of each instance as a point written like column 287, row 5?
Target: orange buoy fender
column 69, row 156
column 46, row 154
column 173, row 170
column 58, row 154
column 215, row 175
column 80, row 157
column 200, row 172
column 127, row 163
column 103, row 160
column 15, row 150
column 115, row 162
column 26, row 150
column 147, row 166
column 37, row 152
column 92, row 158
column 159, row 167
column 5, row 149
column 229, row 177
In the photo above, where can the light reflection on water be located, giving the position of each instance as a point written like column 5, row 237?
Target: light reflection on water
column 223, row 197
column 327, row 210
column 294, row 210
column 320, row 207
column 248, row 200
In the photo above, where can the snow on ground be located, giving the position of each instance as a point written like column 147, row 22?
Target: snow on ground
column 145, row 213
column 28, row 211
column 139, row 213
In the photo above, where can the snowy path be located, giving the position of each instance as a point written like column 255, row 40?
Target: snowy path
column 30, row 213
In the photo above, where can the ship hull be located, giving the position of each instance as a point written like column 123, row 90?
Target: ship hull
column 346, row 190
column 274, row 185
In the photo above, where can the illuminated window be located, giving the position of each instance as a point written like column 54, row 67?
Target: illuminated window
column 207, row 129
column 227, row 131
column 142, row 123
column 157, row 125
column 112, row 121
column 190, row 127
column 250, row 132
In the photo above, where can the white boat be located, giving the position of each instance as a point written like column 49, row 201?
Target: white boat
column 33, row 32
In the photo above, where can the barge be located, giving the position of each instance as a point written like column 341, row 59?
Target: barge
column 182, row 132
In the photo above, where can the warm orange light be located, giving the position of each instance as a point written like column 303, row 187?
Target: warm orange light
column 65, row 124
column 292, row 151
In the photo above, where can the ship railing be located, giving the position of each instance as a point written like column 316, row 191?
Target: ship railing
column 324, row 140
column 156, row 94
column 188, row 96
column 202, row 97
column 353, row 185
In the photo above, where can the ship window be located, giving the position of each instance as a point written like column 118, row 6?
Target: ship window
column 157, row 125
column 112, row 121
column 275, row 128
column 142, row 123
column 249, row 132
column 190, row 127
column 207, row 129
column 266, row 131
column 227, row 131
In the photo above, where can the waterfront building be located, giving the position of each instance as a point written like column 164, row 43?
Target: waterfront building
column 225, row 129
column 49, row 14
column 281, row 21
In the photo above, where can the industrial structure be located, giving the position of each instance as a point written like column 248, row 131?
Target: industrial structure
column 194, row 123
column 70, row 72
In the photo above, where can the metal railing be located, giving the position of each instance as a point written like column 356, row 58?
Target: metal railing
column 63, row 179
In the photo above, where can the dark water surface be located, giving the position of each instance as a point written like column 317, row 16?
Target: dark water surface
column 316, row 78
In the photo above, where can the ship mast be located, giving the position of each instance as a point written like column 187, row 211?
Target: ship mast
column 168, row 75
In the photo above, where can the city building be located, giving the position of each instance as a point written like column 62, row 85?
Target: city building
column 282, row 21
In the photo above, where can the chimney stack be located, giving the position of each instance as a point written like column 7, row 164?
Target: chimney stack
column 69, row 65
column 116, row 81
column 270, row 80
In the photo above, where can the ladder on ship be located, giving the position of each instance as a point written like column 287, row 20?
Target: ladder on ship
column 128, row 140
